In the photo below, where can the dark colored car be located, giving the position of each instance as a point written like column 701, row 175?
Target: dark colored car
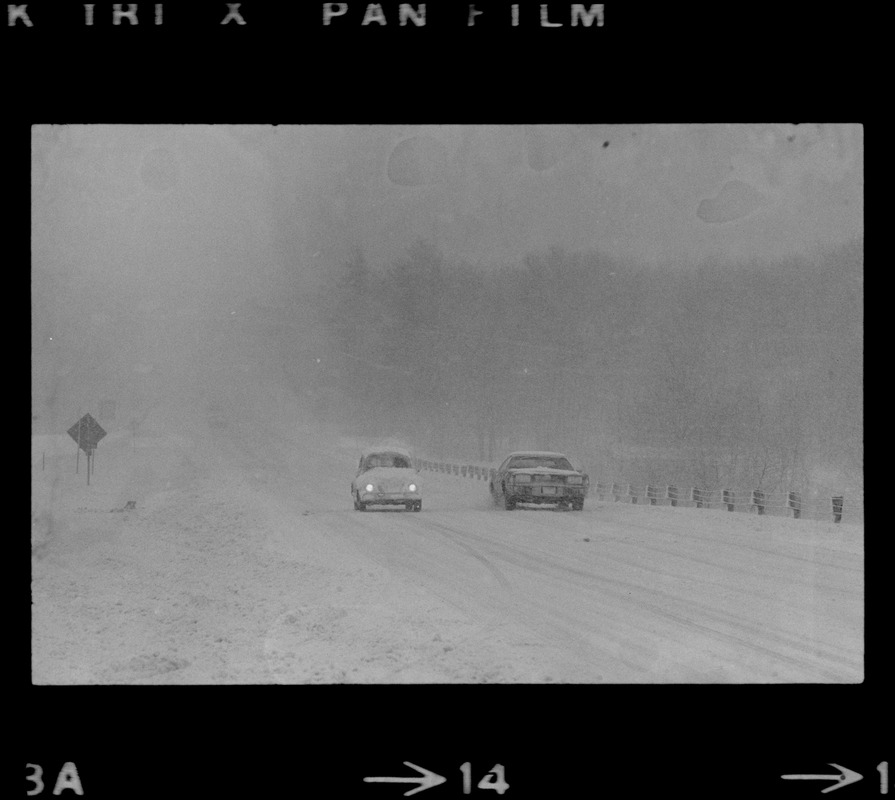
column 540, row 478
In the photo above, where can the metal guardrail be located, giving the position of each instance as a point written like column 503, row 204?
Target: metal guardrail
column 789, row 503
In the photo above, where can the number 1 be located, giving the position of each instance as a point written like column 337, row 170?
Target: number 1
column 883, row 769
column 466, row 769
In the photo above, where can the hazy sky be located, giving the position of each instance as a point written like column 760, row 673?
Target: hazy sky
column 650, row 192
column 165, row 203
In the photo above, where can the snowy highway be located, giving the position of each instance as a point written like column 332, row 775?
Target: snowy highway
column 244, row 562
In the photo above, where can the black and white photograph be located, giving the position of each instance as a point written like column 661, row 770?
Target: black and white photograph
column 439, row 385
column 243, row 336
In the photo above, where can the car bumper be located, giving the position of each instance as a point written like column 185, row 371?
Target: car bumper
column 389, row 498
column 538, row 494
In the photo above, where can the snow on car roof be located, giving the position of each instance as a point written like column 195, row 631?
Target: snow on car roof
column 537, row 453
column 371, row 451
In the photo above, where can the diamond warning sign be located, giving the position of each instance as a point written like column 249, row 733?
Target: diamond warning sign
column 86, row 432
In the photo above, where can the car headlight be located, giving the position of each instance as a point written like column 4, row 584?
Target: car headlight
column 521, row 478
column 575, row 479
column 412, row 487
column 369, row 487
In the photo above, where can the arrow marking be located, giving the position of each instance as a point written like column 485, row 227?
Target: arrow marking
column 428, row 780
column 844, row 778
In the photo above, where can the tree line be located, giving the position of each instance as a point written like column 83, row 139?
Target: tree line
column 743, row 374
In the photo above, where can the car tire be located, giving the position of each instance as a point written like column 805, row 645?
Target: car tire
column 509, row 503
column 358, row 505
column 578, row 505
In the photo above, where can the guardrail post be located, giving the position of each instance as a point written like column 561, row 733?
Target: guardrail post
column 631, row 494
column 837, row 508
column 758, row 500
column 794, row 501
column 651, row 494
column 727, row 499
column 697, row 497
column 671, row 492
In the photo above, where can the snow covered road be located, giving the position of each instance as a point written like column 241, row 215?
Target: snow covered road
column 245, row 563
column 628, row 594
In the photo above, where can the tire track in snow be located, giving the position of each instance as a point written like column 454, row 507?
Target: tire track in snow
column 451, row 535
column 723, row 628
column 723, row 540
column 515, row 555
column 492, row 607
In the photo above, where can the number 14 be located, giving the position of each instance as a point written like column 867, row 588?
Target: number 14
column 494, row 779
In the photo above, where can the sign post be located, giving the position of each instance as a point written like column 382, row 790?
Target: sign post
column 87, row 433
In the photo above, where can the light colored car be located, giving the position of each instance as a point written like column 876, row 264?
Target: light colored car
column 538, row 477
column 388, row 478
